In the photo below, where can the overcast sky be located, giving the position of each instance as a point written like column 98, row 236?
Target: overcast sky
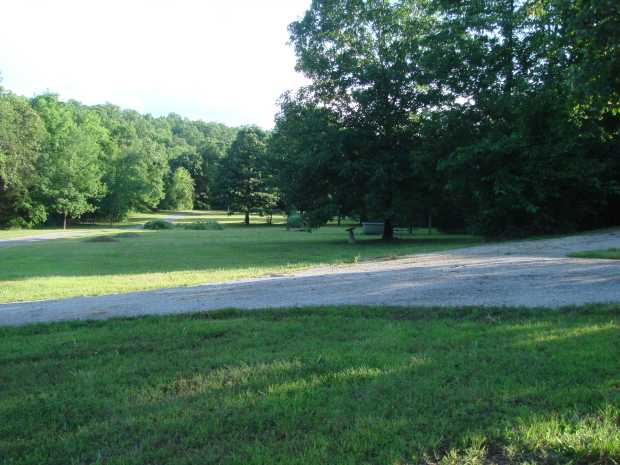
column 216, row 60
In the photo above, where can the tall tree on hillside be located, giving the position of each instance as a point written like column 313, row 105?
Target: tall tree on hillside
column 70, row 160
column 243, row 181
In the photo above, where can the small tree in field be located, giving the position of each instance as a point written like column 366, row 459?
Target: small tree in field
column 243, row 180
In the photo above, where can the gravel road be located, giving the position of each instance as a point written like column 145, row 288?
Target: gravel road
column 73, row 233
column 69, row 234
column 526, row 273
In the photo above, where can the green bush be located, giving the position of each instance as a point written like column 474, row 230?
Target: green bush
column 158, row 224
column 206, row 225
column 295, row 220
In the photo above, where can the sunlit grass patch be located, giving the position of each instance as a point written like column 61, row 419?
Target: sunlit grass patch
column 204, row 253
column 344, row 385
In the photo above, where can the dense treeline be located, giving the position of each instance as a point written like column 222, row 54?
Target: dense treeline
column 63, row 160
column 500, row 116
column 496, row 116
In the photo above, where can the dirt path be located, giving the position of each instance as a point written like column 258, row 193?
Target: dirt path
column 527, row 273
column 69, row 234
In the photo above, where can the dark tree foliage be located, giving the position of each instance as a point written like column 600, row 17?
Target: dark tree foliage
column 496, row 116
column 362, row 57
column 243, row 178
column 500, row 116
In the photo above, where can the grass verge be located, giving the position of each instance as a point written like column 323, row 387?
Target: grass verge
column 314, row 386
column 613, row 254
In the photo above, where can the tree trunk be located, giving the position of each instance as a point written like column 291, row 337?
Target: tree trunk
column 64, row 221
column 508, row 31
column 247, row 217
column 351, row 235
column 430, row 221
column 388, row 230
column 339, row 219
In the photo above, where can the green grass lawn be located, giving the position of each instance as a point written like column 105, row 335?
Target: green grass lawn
column 316, row 386
column 613, row 254
column 158, row 259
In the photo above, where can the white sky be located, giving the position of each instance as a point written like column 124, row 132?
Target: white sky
column 216, row 60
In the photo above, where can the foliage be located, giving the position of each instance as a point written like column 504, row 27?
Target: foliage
column 60, row 158
column 180, row 191
column 295, row 221
column 502, row 117
column 22, row 135
column 363, row 58
column 499, row 117
column 343, row 385
column 70, row 159
column 204, row 225
column 158, row 225
column 306, row 159
column 243, row 176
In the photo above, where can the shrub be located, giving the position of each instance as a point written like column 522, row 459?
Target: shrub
column 295, row 220
column 206, row 225
column 158, row 224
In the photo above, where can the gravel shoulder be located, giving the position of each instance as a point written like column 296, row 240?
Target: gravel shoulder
column 535, row 273
column 38, row 236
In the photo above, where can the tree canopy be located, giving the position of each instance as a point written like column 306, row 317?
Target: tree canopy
column 498, row 116
column 243, row 179
column 501, row 117
column 63, row 160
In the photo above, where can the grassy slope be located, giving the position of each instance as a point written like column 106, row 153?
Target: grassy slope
column 613, row 254
column 342, row 385
column 70, row 267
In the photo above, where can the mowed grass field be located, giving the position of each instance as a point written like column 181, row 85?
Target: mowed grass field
column 143, row 260
column 316, row 386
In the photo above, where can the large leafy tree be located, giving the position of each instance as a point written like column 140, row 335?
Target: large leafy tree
column 135, row 179
column 22, row 134
column 533, row 157
column 362, row 59
column 315, row 169
column 136, row 162
column 180, row 191
column 243, row 178
column 70, row 161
